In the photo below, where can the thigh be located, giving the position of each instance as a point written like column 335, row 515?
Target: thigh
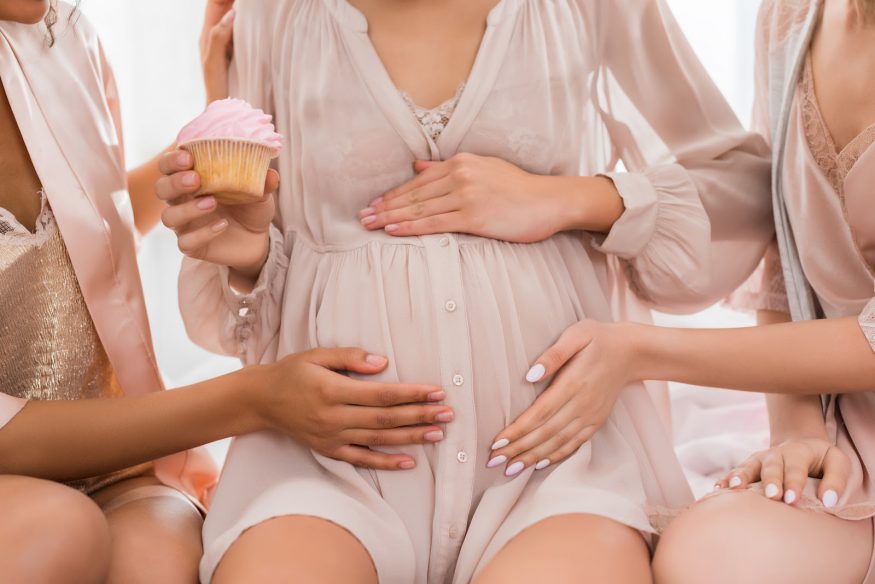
column 296, row 549
column 744, row 537
column 50, row 533
column 571, row 549
column 156, row 533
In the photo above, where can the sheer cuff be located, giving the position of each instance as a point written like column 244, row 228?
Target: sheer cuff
column 867, row 323
column 634, row 229
column 245, row 308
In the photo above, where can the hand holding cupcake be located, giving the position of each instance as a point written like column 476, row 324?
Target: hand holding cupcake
column 217, row 184
column 232, row 145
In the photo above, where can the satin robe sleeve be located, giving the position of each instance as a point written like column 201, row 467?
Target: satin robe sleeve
column 217, row 317
column 697, row 187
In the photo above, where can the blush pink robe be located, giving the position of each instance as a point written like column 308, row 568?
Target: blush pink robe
column 64, row 101
column 567, row 88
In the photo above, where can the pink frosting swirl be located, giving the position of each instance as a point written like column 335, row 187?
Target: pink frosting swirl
column 232, row 118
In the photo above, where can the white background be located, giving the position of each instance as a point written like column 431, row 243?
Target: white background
column 153, row 47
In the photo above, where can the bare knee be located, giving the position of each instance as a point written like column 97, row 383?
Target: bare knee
column 297, row 549
column 51, row 533
column 742, row 537
column 155, row 540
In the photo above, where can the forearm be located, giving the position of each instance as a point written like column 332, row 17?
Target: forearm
column 66, row 440
column 141, row 186
column 587, row 203
column 800, row 358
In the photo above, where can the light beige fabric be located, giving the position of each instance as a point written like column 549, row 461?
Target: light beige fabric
column 563, row 87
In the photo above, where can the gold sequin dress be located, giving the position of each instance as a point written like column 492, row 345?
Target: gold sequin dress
column 49, row 348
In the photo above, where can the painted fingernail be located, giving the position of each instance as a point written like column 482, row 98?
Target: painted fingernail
column 391, row 228
column 497, row 461
column 228, row 18
column 206, row 203
column 715, row 488
column 536, row 373
column 406, row 465
column 369, row 220
column 434, row 436
column 220, row 226
column 514, row 469
column 445, row 417
column 183, row 159
column 189, row 179
column 830, row 499
column 500, row 444
column 771, row 491
column 376, row 360
column 789, row 496
column 376, row 201
column 369, row 211
column 437, row 396
column 734, row 482
column 542, row 464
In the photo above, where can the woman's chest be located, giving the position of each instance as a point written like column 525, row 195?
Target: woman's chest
column 526, row 99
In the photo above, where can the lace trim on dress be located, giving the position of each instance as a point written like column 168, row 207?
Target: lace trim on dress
column 434, row 121
column 835, row 164
column 867, row 323
column 12, row 232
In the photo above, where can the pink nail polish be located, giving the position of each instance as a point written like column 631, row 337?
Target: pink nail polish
column 392, row 228
column 437, row 396
column 206, row 203
column 407, row 465
column 445, row 417
column 434, row 436
column 189, row 179
column 183, row 159
column 369, row 211
column 369, row 220
column 220, row 226
column 376, row 201
column 376, row 360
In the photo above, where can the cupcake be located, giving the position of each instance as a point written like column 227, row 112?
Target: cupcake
column 232, row 144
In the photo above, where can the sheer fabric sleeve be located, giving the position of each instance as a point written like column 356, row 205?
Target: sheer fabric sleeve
column 216, row 317
column 697, row 188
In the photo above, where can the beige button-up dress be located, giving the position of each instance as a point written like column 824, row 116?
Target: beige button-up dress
column 564, row 87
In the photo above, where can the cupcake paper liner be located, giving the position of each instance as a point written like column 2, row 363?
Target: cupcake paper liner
column 233, row 171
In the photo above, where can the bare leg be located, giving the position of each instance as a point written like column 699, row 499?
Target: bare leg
column 744, row 537
column 155, row 539
column 296, row 549
column 50, row 534
column 572, row 549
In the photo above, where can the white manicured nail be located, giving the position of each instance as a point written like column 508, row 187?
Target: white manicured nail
column 771, row 491
column 497, row 461
column 715, row 488
column 542, row 464
column 830, row 499
column 734, row 482
column 789, row 496
column 514, row 469
column 536, row 373
column 500, row 444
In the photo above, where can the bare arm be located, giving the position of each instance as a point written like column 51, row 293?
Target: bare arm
column 66, row 440
column 799, row 358
column 792, row 415
column 141, row 186
column 301, row 396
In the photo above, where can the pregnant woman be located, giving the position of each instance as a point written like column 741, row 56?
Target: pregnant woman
column 96, row 482
column 442, row 204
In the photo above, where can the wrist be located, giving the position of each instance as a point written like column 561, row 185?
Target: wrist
column 585, row 203
column 255, row 395
column 644, row 343
column 244, row 276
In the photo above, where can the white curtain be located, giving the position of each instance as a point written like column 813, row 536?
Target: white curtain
column 154, row 49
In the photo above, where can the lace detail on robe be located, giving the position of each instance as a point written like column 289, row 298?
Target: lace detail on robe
column 434, row 121
column 835, row 164
column 765, row 289
column 867, row 323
